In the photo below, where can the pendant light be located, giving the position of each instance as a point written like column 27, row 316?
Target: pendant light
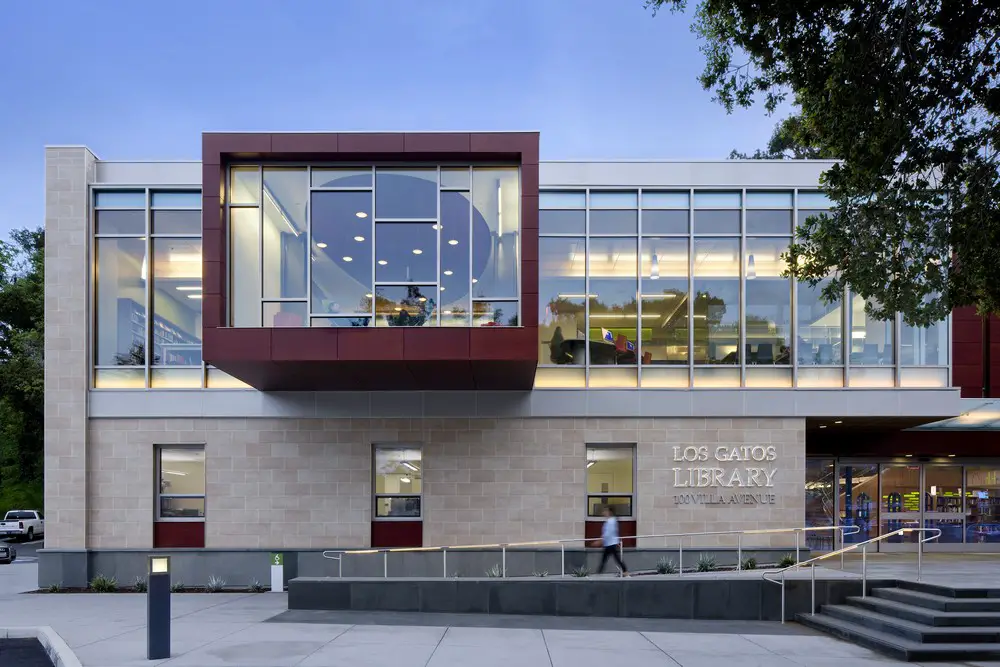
column 654, row 269
column 751, row 268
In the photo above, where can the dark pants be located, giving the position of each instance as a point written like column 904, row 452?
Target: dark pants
column 611, row 552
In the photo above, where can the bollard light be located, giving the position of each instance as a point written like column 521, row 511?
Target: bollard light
column 158, row 608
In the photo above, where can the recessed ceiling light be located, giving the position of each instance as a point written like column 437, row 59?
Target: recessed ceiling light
column 321, row 245
column 348, row 259
column 418, row 251
column 368, row 296
column 909, row 456
column 382, row 262
column 189, row 288
column 839, row 421
column 453, row 242
column 361, row 214
column 448, row 273
column 442, row 289
column 951, row 456
column 422, row 299
column 436, row 227
column 359, row 239
column 822, row 425
column 397, row 309
column 474, row 281
column 194, row 296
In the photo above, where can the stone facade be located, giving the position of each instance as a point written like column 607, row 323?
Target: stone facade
column 306, row 483
column 68, row 171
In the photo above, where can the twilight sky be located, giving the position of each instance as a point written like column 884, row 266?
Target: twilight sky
column 142, row 80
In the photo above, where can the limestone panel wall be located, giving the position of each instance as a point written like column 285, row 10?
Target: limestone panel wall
column 68, row 170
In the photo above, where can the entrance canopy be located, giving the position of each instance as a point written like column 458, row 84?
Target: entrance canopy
column 983, row 417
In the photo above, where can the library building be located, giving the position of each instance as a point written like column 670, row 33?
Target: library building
column 315, row 341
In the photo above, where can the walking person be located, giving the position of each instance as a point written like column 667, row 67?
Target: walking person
column 611, row 541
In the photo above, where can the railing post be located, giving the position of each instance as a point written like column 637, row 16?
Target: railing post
column 444, row 560
column 562, row 559
column 812, row 608
column 843, row 535
column 503, row 566
column 680, row 556
column 340, row 566
column 920, row 554
column 385, row 564
column 782, row 598
column 864, row 571
column 797, row 546
column 739, row 552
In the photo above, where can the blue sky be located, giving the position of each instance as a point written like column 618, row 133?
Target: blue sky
column 142, row 80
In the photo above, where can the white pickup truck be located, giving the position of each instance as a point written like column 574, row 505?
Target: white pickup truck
column 26, row 524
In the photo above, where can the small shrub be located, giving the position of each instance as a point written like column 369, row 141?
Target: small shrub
column 140, row 585
column 749, row 563
column 706, row 563
column 582, row 571
column 177, row 587
column 102, row 584
column 665, row 566
column 456, row 575
column 543, row 573
column 787, row 560
column 53, row 588
column 494, row 572
column 215, row 584
column 256, row 586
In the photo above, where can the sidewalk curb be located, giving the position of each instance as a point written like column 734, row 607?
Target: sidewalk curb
column 59, row 651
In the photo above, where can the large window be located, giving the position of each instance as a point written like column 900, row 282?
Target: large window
column 147, row 289
column 398, row 480
column 181, row 490
column 610, row 479
column 420, row 246
column 768, row 302
column 716, row 301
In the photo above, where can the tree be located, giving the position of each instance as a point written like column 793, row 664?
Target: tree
column 906, row 93
column 792, row 139
column 22, row 346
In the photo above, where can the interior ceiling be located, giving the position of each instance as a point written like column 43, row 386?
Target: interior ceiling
column 864, row 424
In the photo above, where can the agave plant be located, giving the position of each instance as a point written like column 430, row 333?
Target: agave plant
column 706, row 563
column 665, row 566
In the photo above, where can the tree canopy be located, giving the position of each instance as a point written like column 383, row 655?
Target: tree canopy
column 905, row 93
column 22, row 345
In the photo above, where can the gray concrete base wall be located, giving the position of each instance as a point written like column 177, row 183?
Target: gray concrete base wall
column 732, row 599
column 193, row 567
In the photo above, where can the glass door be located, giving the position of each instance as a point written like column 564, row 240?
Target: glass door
column 900, row 500
column 857, row 501
column 943, row 502
column 982, row 504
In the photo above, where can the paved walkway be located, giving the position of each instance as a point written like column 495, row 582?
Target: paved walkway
column 246, row 630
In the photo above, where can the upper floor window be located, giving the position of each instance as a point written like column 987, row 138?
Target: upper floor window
column 383, row 246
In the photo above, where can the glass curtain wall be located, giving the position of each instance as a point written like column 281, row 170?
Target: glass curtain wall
column 147, row 289
column 681, row 288
column 385, row 247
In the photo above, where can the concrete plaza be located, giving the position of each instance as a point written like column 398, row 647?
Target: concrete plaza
column 255, row 630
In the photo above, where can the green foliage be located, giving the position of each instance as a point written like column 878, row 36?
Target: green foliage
column 177, row 587
column 215, row 584
column 706, row 563
column 666, row 566
column 749, row 563
column 53, row 588
column 543, row 573
column 140, row 585
column 22, row 310
column 495, row 572
column 103, row 584
column 787, row 560
column 256, row 587
column 582, row 571
column 906, row 95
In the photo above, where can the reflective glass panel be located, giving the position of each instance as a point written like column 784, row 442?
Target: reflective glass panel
column 665, row 222
column 813, row 200
column 176, row 222
column 494, row 313
column 177, row 199
column 176, row 299
column 769, row 200
column 806, row 214
column 610, row 479
column 341, row 229
column 664, row 287
column 456, row 178
column 406, row 252
column 405, row 306
column 130, row 199
column 561, row 301
column 340, row 322
column 406, row 193
column 820, row 490
column 821, row 327
column 716, row 301
column 614, row 222
column 769, row 222
column 665, row 199
column 182, row 483
column 120, row 306
column 398, row 480
column 614, row 199
column 244, row 185
column 900, row 502
column 576, row 199
column 342, row 178
column 496, row 224
column 454, row 279
column 286, row 192
column 717, row 199
column 562, row 222
column 768, row 303
column 717, row 222
column 871, row 339
column 982, row 503
column 613, row 301
column 923, row 346
column 859, row 502
column 285, row 314
column 120, row 222
column 244, row 249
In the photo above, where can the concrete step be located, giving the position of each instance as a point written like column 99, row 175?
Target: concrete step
column 927, row 616
column 949, row 591
column 939, row 602
column 896, row 646
column 912, row 630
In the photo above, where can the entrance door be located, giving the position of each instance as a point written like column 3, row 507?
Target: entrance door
column 900, row 501
column 943, row 497
column 857, row 491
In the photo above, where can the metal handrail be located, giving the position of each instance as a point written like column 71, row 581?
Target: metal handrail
column 843, row 530
column 864, row 563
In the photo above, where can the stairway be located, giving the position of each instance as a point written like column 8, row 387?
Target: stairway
column 917, row 622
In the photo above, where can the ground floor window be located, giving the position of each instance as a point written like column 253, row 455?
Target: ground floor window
column 398, row 482
column 181, row 489
column 610, row 479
